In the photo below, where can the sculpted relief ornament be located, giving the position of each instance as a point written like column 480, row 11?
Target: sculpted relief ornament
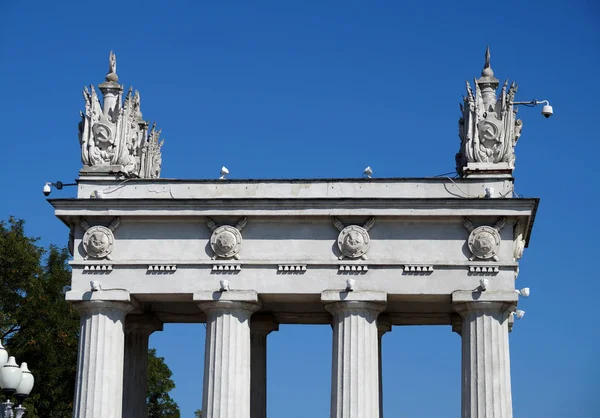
column 353, row 241
column 226, row 240
column 114, row 137
column 488, row 128
column 98, row 240
column 484, row 241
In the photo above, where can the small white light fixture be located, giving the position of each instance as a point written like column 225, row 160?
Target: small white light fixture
column 10, row 375
column 224, row 285
column 518, row 313
column 58, row 185
column 350, row 285
column 95, row 286
column 483, row 284
column 26, row 384
column 368, row 172
column 525, row 292
column 224, row 172
column 489, row 192
column 547, row 110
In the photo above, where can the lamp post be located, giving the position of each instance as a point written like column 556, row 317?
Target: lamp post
column 14, row 380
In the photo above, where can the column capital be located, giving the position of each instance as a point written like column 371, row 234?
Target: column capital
column 384, row 324
column 245, row 300
column 336, row 300
column 456, row 321
column 264, row 324
column 465, row 302
column 98, row 306
column 147, row 323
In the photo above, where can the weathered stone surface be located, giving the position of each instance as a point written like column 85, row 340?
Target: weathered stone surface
column 99, row 382
column 355, row 368
column 113, row 136
column 135, row 377
column 488, row 128
column 227, row 354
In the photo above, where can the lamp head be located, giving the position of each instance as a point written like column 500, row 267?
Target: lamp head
column 47, row 188
column 519, row 313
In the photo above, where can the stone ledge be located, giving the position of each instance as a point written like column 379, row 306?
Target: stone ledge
column 108, row 295
column 330, row 296
column 229, row 295
column 466, row 296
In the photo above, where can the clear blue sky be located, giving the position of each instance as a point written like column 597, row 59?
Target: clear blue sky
column 321, row 89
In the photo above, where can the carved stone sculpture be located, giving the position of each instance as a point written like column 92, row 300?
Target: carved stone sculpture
column 114, row 137
column 226, row 240
column 353, row 241
column 488, row 128
column 484, row 241
column 519, row 240
column 98, row 240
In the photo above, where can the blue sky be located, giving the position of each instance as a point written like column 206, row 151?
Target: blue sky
column 303, row 89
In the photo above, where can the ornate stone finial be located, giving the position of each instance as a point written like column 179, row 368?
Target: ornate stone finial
column 487, row 70
column 112, row 68
column 113, row 135
column 488, row 128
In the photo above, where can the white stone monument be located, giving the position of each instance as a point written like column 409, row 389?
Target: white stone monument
column 244, row 256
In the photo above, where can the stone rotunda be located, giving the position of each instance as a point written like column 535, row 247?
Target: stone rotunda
column 244, row 256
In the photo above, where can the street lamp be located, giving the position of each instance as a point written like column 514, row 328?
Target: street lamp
column 14, row 380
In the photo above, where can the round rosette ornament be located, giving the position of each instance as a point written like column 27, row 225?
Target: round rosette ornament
column 353, row 241
column 98, row 242
column 484, row 242
column 226, row 241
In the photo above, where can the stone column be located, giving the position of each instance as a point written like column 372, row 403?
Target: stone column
column 355, row 368
column 99, row 383
column 260, row 326
column 227, row 352
column 135, row 377
column 383, row 326
column 486, row 390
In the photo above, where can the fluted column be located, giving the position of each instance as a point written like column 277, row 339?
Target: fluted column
column 260, row 326
column 486, row 388
column 227, row 352
column 383, row 326
column 355, row 368
column 99, row 383
column 135, row 377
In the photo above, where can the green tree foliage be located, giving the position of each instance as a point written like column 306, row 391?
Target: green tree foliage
column 198, row 413
column 39, row 327
column 159, row 403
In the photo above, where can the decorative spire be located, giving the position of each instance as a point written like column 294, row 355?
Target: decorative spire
column 487, row 69
column 112, row 69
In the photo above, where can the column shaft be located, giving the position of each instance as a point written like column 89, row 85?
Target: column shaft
column 486, row 389
column 260, row 327
column 99, row 383
column 383, row 326
column 227, row 359
column 135, row 371
column 355, row 371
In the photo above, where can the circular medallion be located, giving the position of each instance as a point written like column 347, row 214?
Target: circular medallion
column 102, row 132
column 489, row 133
column 484, row 242
column 353, row 241
column 226, row 241
column 98, row 241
